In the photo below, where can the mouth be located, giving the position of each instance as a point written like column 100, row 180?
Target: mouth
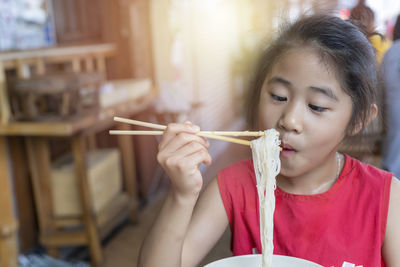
column 287, row 150
column 287, row 147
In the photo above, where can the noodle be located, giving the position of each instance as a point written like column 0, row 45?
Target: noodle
column 265, row 151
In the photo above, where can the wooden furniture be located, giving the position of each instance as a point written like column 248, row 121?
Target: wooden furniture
column 77, row 130
column 126, row 24
column 79, row 58
column 8, row 223
column 54, row 96
column 90, row 228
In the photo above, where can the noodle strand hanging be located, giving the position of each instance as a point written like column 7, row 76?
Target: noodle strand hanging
column 265, row 151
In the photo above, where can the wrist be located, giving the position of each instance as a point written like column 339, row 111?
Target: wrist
column 180, row 199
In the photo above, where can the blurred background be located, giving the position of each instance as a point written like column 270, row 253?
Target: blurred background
column 70, row 193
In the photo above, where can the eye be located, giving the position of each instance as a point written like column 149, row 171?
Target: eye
column 278, row 98
column 317, row 108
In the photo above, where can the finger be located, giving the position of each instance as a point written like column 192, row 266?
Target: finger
column 178, row 149
column 188, row 163
column 197, row 127
column 200, row 156
column 183, row 139
column 189, row 148
column 173, row 129
column 205, row 139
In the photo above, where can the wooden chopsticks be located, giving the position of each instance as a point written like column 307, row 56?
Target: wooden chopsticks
column 141, row 123
column 219, row 135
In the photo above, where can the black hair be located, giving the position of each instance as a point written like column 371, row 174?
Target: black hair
column 341, row 45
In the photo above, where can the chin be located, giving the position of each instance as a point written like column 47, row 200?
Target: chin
column 288, row 169
column 288, row 173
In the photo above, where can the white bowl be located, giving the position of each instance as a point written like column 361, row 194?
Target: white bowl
column 255, row 261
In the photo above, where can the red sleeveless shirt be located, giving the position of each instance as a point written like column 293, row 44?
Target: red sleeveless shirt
column 345, row 224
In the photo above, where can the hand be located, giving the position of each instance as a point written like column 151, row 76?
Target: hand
column 181, row 152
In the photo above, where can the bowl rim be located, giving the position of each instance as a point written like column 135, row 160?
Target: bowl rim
column 259, row 255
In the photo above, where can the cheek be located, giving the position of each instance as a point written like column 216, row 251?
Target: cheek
column 328, row 131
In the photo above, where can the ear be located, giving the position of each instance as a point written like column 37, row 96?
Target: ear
column 372, row 115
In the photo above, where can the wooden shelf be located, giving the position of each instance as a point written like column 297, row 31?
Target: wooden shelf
column 55, row 54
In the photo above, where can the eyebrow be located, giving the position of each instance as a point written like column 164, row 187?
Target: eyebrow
column 277, row 79
column 322, row 90
column 326, row 91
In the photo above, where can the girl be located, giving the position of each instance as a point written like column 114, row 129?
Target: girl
column 315, row 85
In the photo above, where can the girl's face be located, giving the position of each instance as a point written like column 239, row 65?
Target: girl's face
column 302, row 99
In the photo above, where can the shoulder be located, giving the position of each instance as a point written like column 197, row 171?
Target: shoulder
column 374, row 190
column 392, row 235
column 395, row 191
column 394, row 201
column 369, row 183
column 366, row 172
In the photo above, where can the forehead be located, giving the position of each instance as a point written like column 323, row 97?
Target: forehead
column 304, row 68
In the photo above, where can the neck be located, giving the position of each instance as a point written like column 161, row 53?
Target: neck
column 316, row 181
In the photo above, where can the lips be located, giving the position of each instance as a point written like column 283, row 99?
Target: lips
column 287, row 150
column 287, row 147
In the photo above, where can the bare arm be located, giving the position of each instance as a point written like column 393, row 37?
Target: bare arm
column 208, row 223
column 181, row 234
column 163, row 246
column 392, row 236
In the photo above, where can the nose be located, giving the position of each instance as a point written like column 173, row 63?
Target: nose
column 291, row 119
